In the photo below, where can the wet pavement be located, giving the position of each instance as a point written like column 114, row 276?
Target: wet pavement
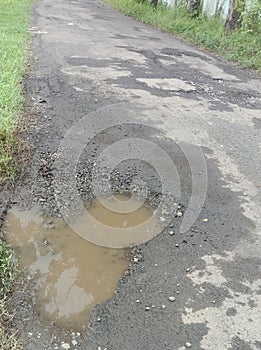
column 99, row 79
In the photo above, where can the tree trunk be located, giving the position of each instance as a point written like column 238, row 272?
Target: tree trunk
column 193, row 5
column 154, row 3
column 233, row 17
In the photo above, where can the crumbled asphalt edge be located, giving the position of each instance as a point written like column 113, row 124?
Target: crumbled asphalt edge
column 42, row 194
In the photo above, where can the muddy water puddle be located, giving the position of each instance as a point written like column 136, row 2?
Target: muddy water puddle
column 70, row 274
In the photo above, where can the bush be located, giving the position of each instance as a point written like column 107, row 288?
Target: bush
column 251, row 19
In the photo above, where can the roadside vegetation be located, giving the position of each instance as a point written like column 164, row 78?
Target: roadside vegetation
column 241, row 45
column 14, row 38
column 14, row 35
column 8, row 276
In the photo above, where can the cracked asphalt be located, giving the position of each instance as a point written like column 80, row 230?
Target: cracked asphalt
column 86, row 57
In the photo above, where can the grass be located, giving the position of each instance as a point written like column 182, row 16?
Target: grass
column 14, row 37
column 8, row 276
column 241, row 46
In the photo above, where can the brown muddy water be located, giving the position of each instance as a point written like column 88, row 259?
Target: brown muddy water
column 70, row 275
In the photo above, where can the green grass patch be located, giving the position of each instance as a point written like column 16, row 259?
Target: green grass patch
column 241, row 46
column 14, row 37
column 8, row 276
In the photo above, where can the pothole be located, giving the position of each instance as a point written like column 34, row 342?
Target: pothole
column 69, row 274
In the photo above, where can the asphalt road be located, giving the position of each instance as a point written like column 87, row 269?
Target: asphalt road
column 86, row 57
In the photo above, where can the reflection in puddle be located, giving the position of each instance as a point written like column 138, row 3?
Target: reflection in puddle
column 71, row 275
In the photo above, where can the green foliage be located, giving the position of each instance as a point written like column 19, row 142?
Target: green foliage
column 14, row 35
column 240, row 46
column 251, row 19
column 8, row 269
column 8, row 275
column 9, row 341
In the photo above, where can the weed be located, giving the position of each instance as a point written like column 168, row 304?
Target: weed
column 14, row 35
column 8, row 276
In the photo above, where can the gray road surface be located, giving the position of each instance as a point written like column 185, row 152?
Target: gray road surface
column 87, row 56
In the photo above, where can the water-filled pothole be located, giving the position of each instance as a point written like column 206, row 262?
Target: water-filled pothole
column 70, row 274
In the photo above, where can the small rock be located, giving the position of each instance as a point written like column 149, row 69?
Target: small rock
column 171, row 233
column 188, row 344
column 48, row 226
column 171, row 298
column 65, row 346
column 205, row 220
column 136, row 260
column 138, row 301
column 177, row 245
column 147, row 308
column 163, row 306
column 74, row 342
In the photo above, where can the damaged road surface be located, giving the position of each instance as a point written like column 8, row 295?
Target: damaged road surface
column 112, row 101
